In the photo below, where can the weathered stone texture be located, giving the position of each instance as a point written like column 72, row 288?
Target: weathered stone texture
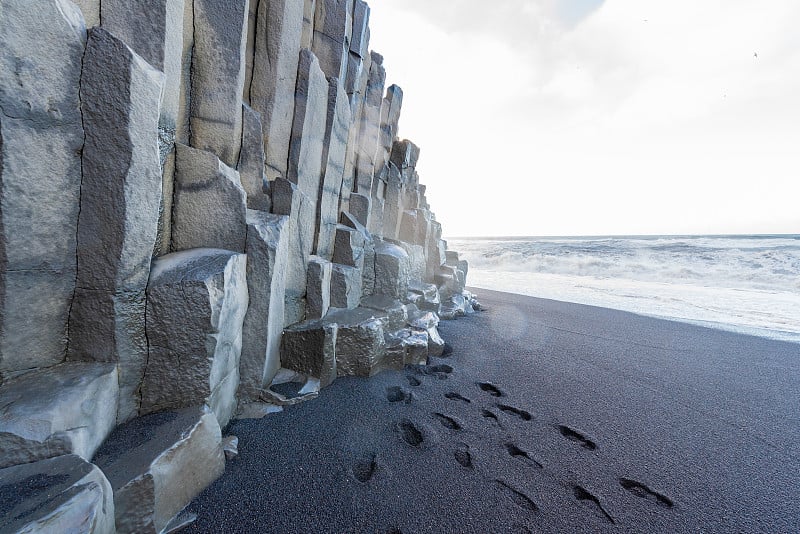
column 196, row 303
column 252, row 160
column 66, row 409
column 332, row 27
column 310, row 348
column 218, row 72
column 346, row 287
column 318, row 296
column 391, row 270
column 279, row 29
column 267, row 261
column 210, row 208
column 120, row 193
column 360, row 343
column 158, row 463
column 63, row 494
column 41, row 136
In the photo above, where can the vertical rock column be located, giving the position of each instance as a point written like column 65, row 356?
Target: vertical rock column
column 158, row 38
column 218, row 73
column 120, row 194
column 279, row 27
column 42, row 44
column 333, row 25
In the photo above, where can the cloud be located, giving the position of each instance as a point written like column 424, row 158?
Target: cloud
column 607, row 120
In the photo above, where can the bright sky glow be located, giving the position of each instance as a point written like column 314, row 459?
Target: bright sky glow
column 590, row 117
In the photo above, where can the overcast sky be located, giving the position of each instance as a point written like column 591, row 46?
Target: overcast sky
column 592, row 117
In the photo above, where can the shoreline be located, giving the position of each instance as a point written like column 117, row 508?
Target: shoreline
column 546, row 417
column 773, row 334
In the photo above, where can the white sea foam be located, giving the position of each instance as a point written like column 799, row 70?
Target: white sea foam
column 749, row 284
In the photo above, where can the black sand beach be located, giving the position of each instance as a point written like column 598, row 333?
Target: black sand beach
column 546, row 417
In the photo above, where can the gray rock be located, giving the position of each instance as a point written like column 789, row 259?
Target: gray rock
column 369, row 129
column 158, row 463
column 392, row 309
column 391, row 270
column 346, row 287
column 405, row 154
column 309, row 9
column 393, row 206
column 406, row 347
column 349, row 247
column 230, row 446
column 318, row 297
column 308, row 127
column 429, row 298
column 272, row 91
column 251, row 161
column 376, row 215
column 66, row 409
column 288, row 200
column 210, row 206
column 435, row 342
column 41, row 136
column 390, row 116
column 333, row 25
column 63, row 494
column 91, row 11
column 360, row 208
column 310, row 348
column 359, row 41
column 196, row 303
column 360, row 343
column 118, row 223
column 218, row 72
column 267, row 260
column 337, row 128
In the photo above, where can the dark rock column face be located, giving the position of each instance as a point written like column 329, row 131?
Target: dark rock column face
column 41, row 135
column 333, row 25
column 279, row 28
column 337, row 128
column 154, row 30
column 120, row 194
column 218, row 73
column 251, row 161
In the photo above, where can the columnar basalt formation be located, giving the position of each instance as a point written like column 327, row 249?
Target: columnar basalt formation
column 197, row 205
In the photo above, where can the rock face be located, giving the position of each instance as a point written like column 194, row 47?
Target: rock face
column 41, row 136
column 196, row 303
column 66, row 409
column 120, row 95
column 63, row 494
column 203, row 204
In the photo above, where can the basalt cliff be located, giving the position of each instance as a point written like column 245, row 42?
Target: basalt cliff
column 207, row 213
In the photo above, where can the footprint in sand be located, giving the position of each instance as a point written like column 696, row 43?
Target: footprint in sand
column 583, row 494
column 440, row 371
column 573, row 435
column 641, row 490
column 455, row 396
column 516, row 452
column 364, row 468
column 490, row 388
column 463, row 455
column 447, row 422
column 517, row 497
column 487, row 414
column 413, row 381
column 522, row 414
column 398, row 394
column 447, row 351
column 410, row 433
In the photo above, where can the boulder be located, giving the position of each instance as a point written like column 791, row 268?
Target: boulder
column 218, row 71
column 333, row 25
column 196, row 303
column 279, row 29
column 62, row 494
column 334, row 150
column 310, row 348
column 391, row 270
column 41, row 136
column 406, row 347
column 425, row 296
column 346, row 288
column 360, row 343
column 120, row 192
column 251, row 161
column 318, row 296
column 267, row 250
column 66, row 409
column 210, row 205
column 288, row 200
column 158, row 463
column 391, row 309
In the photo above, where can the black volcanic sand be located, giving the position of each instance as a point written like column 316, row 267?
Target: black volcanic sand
column 555, row 417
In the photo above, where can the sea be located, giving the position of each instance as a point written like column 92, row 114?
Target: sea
column 742, row 283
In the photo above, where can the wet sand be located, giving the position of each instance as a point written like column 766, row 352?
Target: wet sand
column 546, row 417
